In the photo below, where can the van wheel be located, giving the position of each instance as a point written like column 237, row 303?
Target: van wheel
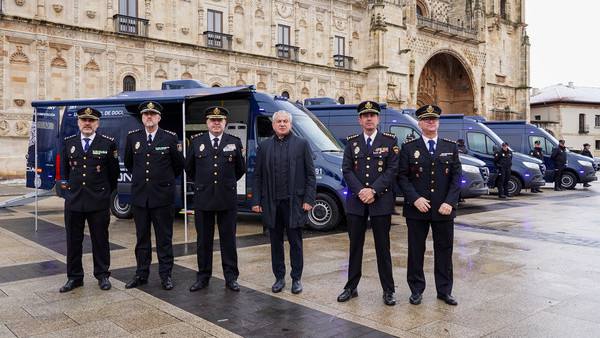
column 514, row 185
column 568, row 180
column 118, row 209
column 325, row 214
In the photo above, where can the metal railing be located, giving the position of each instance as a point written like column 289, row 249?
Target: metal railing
column 343, row 61
column 218, row 40
column 447, row 27
column 287, row 51
column 130, row 25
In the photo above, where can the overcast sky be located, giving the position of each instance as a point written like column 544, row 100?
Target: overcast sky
column 565, row 42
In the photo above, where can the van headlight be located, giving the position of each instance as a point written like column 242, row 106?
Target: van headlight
column 531, row 165
column 470, row 168
column 585, row 163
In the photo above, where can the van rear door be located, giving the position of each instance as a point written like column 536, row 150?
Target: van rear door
column 44, row 133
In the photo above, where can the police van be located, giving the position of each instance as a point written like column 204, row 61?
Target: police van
column 250, row 115
column 521, row 136
column 527, row 172
column 342, row 120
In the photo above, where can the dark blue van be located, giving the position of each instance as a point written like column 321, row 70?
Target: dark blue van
column 249, row 118
column 521, row 136
column 527, row 172
column 342, row 120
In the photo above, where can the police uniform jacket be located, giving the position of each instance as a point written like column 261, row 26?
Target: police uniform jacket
column 215, row 171
column 153, row 168
column 436, row 179
column 91, row 176
column 587, row 153
column 376, row 169
column 503, row 159
column 559, row 157
column 537, row 152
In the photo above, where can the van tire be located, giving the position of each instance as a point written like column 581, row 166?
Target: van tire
column 568, row 180
column 325, row 214
column 514, row 185
column 120, row 210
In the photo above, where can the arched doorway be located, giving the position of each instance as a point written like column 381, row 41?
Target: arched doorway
column 445, row 82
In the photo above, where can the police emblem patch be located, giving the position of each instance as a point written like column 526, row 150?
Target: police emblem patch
column 115, row 154
column 356, row 150
column 179, row 147
column 201, row 147
column 417, row 154
column 72, row 149
column 396, row 150
column 137, row 145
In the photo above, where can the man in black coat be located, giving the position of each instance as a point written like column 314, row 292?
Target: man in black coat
column 503, row 162
column 284, row 189
column 215, row 163
column 538, row 153
column 370, row 166
column 429, row 175
column 559, row 157
column 153, row 156
column 586, row 152
column 90, row 165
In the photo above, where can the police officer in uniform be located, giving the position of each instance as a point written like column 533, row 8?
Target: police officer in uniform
column 503, row 162
column 215, row 163
column 559, row 157
column 586, row 152
column 429, row 175
column 370, row 166
column 462, row 148
column 538, row 153
column 90, row 166
column 153, row 156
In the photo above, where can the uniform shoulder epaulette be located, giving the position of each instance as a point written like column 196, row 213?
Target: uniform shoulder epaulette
column 69, row 137
column 171, row 132
column 134, row 131
column 409, row 141
column 352, row 136
column 196, row 135
column 234, row 136
column 108, row 137
column 447, row 140
column 390, row 135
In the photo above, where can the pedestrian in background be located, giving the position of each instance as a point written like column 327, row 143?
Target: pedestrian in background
column 538, row 153
column 461, row 146
column 503, row 163
column 90, row 165
column 559, row 157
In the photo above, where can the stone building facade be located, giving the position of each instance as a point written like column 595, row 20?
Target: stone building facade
column 468, row 56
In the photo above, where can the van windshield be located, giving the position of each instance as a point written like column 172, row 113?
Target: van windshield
column 311, row 128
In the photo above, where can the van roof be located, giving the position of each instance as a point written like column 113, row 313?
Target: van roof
column 161, row 96
column 519, row 122
column 338, row 106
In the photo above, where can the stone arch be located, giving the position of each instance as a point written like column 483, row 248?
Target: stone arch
column 186, row 76
column 259, row 14
column 215, row 82
column 261, row 86
column 161, row 73
column 92, row 65
column 321, row 93
column 58, row 62
column 131, row 71
column 357, row 97
column 19, row 56
column 422, row 9
column 286, row 88
column 447, row 81
column 240, row 82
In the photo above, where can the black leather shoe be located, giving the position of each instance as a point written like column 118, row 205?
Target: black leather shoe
column 104, row 284
column 557, row 189
column 296, row 286
column 201, row 284
column 388, row 298
column 346, row 295
column 415, row 298
column 510, row 195
column 135, row 282
column 587, row 185
column 71, row 284
column 166, row 283
column 448, row 299
column 501, row 196
column 233, row 285
column 539, row 190
column 395, row 212
column 278, row 286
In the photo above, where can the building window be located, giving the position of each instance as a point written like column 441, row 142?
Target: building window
column 597, row 144
column 284, row 48
column 339, row 45
column 582, row 127
column 283, row 35
column 339, row 56
column 128, row 7
column 503, row 9
column 342, row 100
column 215, row 21
column 127, row 21
column 214, row 31
column 128, row 84
column 597, row 121
column 421, row 9
column 538, row 117
column 285, row 94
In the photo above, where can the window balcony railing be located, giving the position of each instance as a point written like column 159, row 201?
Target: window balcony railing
column 584, row 128
column 446, row 28
column 130, row 25
column 287, row 51
column 343, row 61
column 218, row 40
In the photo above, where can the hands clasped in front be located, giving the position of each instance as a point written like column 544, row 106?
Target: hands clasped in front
column 423, row 205
column 366, row 195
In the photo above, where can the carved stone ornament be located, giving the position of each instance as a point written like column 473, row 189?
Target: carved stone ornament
column 4, row 127
column 239, row 40
column 160, row 26
column 259, row 43
column 19, row 102
column 129, row 58
column 22, row 128
column 57, row 8
column 185, row 31
column 91, row 14
column 19, row 56
column 20, row 2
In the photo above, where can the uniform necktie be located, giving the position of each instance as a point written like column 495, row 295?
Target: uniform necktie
column 431, row 148
column 87, row 144
column 368, row 144
column 216, row 142
column 149, row 138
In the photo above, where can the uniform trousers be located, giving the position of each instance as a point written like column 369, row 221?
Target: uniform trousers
column 98, row 222
column 205, row 233
column 162, row 219
column 558, row 172
column 357, row 226
column 294, row 235
column 443, row 240
column 503, row 178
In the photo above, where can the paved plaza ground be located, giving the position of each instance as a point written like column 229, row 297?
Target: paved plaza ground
column 524, row 267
